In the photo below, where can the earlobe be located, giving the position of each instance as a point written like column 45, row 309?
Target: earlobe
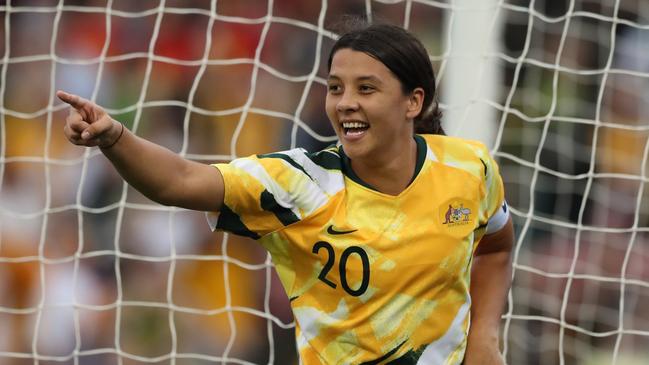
column 415, row 102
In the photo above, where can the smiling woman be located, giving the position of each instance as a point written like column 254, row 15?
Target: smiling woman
column 381, row 88
column 367, row 108
column 392, row 245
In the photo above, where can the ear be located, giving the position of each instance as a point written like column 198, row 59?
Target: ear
column 415, row 102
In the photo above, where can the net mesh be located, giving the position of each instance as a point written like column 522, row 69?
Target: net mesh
column 92, row 272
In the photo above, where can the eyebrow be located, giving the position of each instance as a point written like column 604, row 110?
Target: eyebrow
column 360, row 78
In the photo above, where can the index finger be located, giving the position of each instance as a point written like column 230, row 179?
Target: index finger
column 75, row 101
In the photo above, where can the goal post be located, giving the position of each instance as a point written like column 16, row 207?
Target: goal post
column 92, row 272
column 471, row 81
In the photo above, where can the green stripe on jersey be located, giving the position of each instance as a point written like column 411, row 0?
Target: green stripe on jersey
column 328, row 159
column 382, row 358
column 286, row 158
column 409, row 358
column 268, row 203
column 231, row 222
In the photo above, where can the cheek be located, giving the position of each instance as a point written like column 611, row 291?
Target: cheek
column 391, row 113
column 330, row 108
column 397, row 107
column 381, row 109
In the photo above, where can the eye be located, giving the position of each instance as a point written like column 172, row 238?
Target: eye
column 334, row 88
column 366, row 89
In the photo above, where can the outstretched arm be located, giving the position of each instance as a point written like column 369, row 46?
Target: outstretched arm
column 490, row 282
column 155, row 171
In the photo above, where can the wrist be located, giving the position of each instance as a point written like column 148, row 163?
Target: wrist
column 483, row 337
column 116, row 139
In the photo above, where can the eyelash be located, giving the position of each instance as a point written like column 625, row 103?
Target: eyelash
column 333, row 88
column 366, row 88
column 362, row 88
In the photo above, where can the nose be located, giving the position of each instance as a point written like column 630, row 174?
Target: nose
column 347, row 103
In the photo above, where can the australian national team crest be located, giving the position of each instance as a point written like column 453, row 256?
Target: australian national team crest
column 456, row 213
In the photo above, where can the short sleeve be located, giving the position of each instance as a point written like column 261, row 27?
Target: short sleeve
column 266, row 193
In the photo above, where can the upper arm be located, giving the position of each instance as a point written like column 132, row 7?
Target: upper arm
column 499, row 235
column 499, row 241
column 203, row 187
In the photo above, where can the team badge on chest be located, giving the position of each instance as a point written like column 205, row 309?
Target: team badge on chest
column 456, row 212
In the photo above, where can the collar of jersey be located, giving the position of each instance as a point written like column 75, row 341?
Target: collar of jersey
column 421, row 157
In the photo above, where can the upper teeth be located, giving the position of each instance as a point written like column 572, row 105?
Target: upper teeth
column 354, row 125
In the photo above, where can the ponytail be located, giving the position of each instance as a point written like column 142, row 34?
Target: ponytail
column 430, row 121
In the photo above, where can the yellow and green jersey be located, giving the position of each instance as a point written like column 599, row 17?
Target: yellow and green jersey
column 372, row 278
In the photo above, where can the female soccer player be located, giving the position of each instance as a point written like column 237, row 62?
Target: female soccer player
column 393, row 246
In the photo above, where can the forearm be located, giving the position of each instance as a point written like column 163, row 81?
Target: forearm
column 156, row 172
column 160, row 174
column 490, row 282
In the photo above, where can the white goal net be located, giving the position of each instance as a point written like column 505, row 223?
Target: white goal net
column 92, row 272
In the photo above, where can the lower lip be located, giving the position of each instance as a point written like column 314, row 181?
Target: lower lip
column 354, row 136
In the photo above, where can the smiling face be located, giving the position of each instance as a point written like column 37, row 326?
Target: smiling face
column 367, row 106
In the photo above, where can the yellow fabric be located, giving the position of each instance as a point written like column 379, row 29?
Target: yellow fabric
column 371, row 277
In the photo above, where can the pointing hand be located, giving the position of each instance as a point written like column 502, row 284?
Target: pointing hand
column 88, row 124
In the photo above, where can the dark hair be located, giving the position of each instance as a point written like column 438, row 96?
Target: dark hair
column 404, row 55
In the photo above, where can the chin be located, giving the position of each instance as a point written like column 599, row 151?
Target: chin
column 356, row 150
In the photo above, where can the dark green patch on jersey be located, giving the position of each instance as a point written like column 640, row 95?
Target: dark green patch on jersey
column 409, row 358
column 382, row 358
column 231, row 222
column 268, row 203
column 422, row 151
column 328, row 159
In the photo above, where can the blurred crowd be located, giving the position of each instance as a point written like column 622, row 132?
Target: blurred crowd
column 92, row 271
column 583, row 139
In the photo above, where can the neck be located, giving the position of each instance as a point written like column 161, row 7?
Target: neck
column 392, row 170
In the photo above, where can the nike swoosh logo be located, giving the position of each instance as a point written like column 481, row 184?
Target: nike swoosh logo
column 331, row 230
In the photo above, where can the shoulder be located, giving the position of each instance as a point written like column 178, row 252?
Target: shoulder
column 290, row 184
column 298, row 158
column 323, row 168
column 454, row 147
column 465, row 154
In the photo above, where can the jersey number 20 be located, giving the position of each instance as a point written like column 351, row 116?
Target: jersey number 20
column 342, row 267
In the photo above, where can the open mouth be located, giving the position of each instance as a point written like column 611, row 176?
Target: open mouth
column 354, row 128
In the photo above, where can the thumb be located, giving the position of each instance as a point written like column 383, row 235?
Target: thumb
column 100, row 128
